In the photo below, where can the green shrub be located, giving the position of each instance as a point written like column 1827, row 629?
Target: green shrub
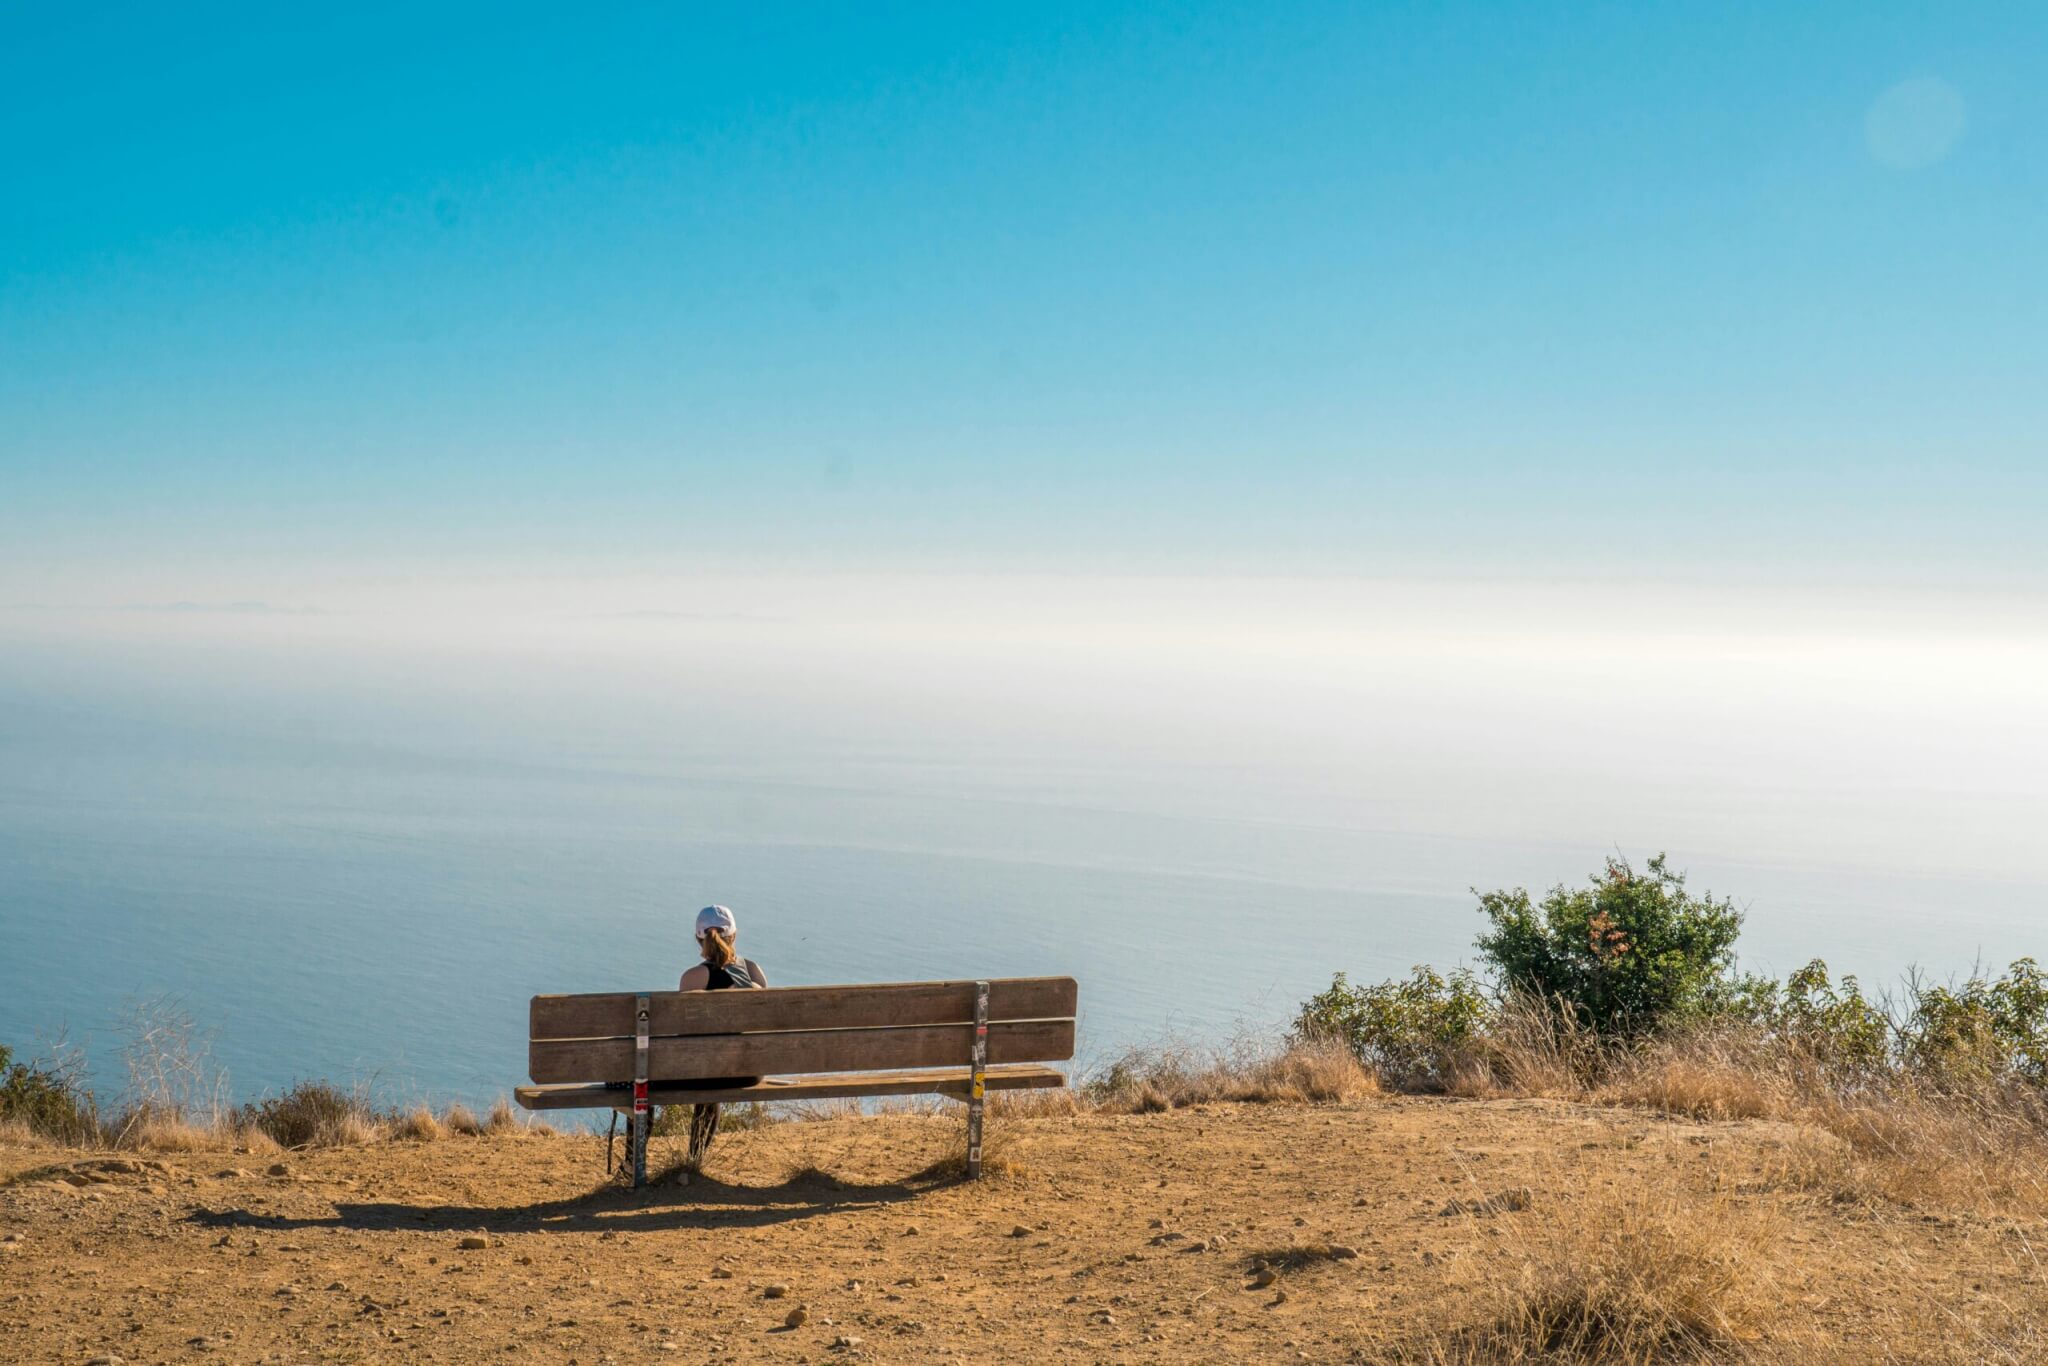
column 1627, row 954
column 1981, row 1031
column 51, row 1100
column 1816, row 1019
column 1415, row 1034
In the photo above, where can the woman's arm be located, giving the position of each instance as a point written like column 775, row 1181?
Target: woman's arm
column 754, row 971
column 696, row 979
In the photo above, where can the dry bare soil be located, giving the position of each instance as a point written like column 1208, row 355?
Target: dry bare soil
column 1104, row 1238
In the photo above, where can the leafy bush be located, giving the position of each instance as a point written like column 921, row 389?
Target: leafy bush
column 1981, row 1031
column 1627, row 954
column 1415, row 1034
column 1815, row 1019
column 51, row 1100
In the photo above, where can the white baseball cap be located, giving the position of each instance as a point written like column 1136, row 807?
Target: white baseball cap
column 716, row 918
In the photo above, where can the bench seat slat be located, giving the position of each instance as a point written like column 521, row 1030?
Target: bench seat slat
column 815, row 1050
column 875, row 1005
column 950, row 1081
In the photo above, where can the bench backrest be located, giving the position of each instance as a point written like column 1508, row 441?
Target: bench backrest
column 774, row 1030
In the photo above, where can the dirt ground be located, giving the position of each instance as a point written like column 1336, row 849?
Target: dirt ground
column 1108, row 1238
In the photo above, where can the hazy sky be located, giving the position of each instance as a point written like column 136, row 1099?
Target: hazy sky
column 294, row 298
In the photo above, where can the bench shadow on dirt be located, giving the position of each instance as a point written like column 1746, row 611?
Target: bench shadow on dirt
column 704, row 1203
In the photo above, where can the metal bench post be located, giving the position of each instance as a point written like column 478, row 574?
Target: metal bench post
column 642, row 1120
column 977, row 1082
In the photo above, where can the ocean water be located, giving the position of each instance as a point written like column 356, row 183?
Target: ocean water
column 386, row 918
column 358, row 862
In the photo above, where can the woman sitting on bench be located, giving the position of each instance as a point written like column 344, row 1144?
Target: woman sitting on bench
column 722, row 970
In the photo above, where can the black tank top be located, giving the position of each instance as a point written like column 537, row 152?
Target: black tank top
column 732, row 975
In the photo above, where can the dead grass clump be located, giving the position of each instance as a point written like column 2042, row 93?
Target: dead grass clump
column 503, row 1121
column 460, row 1119
column 255, row 1142
column 312, row 1114
column 1002, row 1154
column 16, row 1131
column 1533, row 1046
column 357, row 1128
column 1620, row 1279
column 1149, row 1080
column 169, row 1132
column 1051, row 1102
column 1695, row 1086
column 1320, row 1071
column 418, row 1125
column 507, row 1121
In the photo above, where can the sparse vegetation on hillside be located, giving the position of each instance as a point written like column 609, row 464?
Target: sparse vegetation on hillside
column 1147, row 1080
column 1624, row 1278
column 46, row 1099
column 1625, row 993
column 1418, row 1034
column 49, row 1101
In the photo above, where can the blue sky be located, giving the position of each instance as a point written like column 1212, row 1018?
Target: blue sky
column 1731, row 291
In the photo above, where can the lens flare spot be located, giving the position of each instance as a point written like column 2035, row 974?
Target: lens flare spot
column 1915, row 123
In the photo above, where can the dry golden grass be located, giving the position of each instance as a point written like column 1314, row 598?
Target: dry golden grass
column 418, row 1125
column 1309, row 1073
column 18, row 1133
column 1155, row 1079
column 503, row 1121
column 1051, row 1102
column 257, row 1142
column 1623, row 1277
column 1890, row 1141
column 460, row 1119
column 1694, row 1086
column 1531, row 1049
column 341, row 1121
column 355, row 1129
column 1931, row 1151
column 1002, row 1155
column 159, row 1132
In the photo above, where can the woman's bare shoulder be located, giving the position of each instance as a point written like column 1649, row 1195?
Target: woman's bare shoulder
column 695, row 979
column 754, row 971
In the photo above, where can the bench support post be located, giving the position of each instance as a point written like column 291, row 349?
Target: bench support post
column 642, row 1120
column 977, row 1083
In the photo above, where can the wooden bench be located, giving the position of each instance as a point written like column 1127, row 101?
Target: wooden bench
column 957, row 1039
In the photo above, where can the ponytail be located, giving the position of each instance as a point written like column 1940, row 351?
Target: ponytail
column 717, row 947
